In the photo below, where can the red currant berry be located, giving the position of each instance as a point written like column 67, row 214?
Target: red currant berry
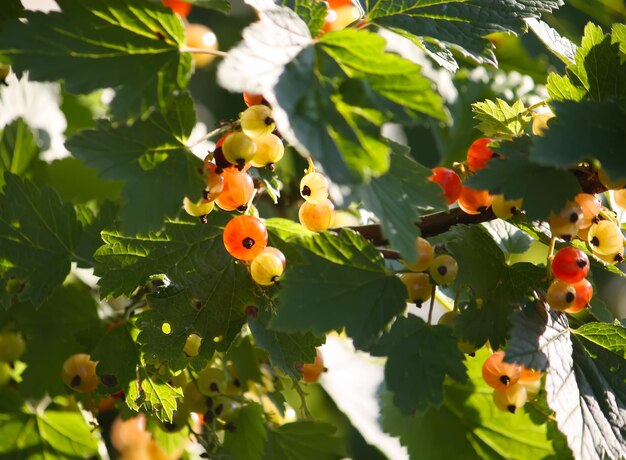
column 237, row 191
column 478, row 154
column 449, row 181
column 245, row 237
column 498, row 374
column 570, row 265
column 180, row 8
column 584, row 293
column 474, row 201
column 252, row 99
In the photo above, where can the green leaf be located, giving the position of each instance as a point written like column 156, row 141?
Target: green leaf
column 459, row 25
column 46, row 435
column 560, row 46
column 76, row 182
column 285, row 350
column 352, row 289
column 146, row 155
column 420, row 356
column 544, row 188
column 244, row 357
column 303, row 441
column 531, row 335
column 270, row 182
column 399, row 197
column 618, row 35
column 586, row 388
column 18, row 149
column 583, row 131
column 247, row 440
column 38, row 234
column 499, row 119
column 11, row 9
column 598, row 67
column 612, row 337
column 496, row 286
column 118, row 356
column 312, row 12
column 561, row 88
column 217, row 318
column 330, row 98
column 93, row 225
column 66, row 323
column 509, row 238
column 129, row 45
column 154, row 394
column 468, row 426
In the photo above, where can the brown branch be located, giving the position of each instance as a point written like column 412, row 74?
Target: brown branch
column 430, row 225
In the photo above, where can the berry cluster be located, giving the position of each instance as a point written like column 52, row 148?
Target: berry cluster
column 470, row 200
column 432, row 267
column 317, row 213
column 513, row 385
column 12, row 346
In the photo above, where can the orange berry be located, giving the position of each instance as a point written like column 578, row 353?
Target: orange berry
column 245, row 237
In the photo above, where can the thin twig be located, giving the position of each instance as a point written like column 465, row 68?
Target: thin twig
column 186, row 49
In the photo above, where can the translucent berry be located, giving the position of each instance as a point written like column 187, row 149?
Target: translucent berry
column 474, row 201
column 267, row 268
column 252, row 99
column 277, row 253
column 447, row 319
column 590, row 206
column 211, row 381
column 225, row 409
column 570, row 265
column 478, row 154
column 620, row 198
column 192, row 345
column 605, row 238
column 5, row 373
column 314, row 187
column 237, row 191
column 560, row 295
column 245, row 237
column 238, row 149
column 79, row 373
column 418, row 287
column 532, row 387
column 214, row 181
column 180, row 8
column 200, row 208
column 317, row 217
column 566, row 223
column 311, row 372
column 499, row 374
column 505, row 209
column 129, row 434
column 510, row 399
column 425, row 255
column 444, row 269
column 269, row 150
column 530, row 375
column 540, row 123
column 257, row 120
column 201, row 37
column 584, row 293
column 449, row 181
column 12, row 346
column 340, row 17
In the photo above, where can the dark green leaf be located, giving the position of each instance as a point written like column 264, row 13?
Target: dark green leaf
column 544, row 188
column 419, row 358
column 560, row 46
column 38, row 234
column 129, row 45
column 303, row 441
column 247, row 440
column 509, row 238
column 285, row 350
column 146, row 156
column 243, row 355
column 223, row 6
column 583, row 131
column 587, row 390
column 66, row 323
column 461, row 25
column 399, row 197
column 18, row 149
column 11, row 9
column 468, row 426
column 352, row 289
column 496, row 286
column 93, row 225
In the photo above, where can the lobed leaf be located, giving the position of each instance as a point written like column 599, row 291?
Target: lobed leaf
column 305, row 440
column 499, row 119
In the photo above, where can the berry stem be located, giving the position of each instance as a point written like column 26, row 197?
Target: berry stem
column 536, row 105
column 186, row 49
column 303, row 406
column 550, row 256
column 215, row 132
column 432, row 304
